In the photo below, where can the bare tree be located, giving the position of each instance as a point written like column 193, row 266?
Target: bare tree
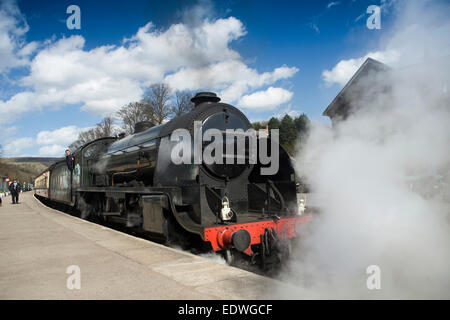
column 104, row 128
column 86, row 136
column 133, row 113
column 157, row 105
column 182, row 103
column 157, row 97
column 101, row 130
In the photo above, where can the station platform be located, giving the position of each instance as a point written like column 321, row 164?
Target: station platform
column 38, row 244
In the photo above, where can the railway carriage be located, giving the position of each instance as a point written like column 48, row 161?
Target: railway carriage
column 42, row 184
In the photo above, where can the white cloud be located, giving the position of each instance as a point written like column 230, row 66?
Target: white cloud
column 416, row 38
column 62, row 136
column 28, row 49
column 20, row 103
column 287, row 111
column 51, row 143
column 6, row 132
column 266, row 100
column 12, row 29
column 233, row 77
column 332, row 4
column 103, row 79
column 360, row 16
column 315, row 27
column 53, row 150
column 18, row 147
column 345, row 69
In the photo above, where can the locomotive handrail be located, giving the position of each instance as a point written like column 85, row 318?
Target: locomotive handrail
column 275, row 189
column 121, row 172
column 281, row 201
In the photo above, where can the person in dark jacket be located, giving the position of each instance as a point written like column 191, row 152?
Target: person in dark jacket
column 14, row 188
column 70, row 159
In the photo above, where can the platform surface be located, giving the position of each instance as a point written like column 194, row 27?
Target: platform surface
column 38, row 244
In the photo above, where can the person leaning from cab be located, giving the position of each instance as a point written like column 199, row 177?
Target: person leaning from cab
column 70, row 160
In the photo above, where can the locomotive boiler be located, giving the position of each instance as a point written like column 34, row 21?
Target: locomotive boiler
column 227, row 206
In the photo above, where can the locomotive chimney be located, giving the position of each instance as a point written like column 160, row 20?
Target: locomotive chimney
column 142, row 126
column 201, row 97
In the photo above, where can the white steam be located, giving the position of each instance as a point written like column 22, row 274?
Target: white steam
column 382, row 178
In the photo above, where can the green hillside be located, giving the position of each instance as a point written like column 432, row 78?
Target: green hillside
column 24, row 169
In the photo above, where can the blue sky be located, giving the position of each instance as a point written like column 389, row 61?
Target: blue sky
column 266, row 57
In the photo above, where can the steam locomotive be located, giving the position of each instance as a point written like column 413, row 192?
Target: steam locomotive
column 229, row 208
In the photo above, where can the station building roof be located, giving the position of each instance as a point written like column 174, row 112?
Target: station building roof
column 340, row 107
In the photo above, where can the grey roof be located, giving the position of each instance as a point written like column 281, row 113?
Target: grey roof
column 368, row 65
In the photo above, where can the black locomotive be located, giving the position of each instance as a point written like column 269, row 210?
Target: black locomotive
column 231, row 208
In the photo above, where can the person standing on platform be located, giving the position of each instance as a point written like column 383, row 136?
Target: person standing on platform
column 14, row 188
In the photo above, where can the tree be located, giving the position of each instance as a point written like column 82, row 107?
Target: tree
column 288, row 132
column 83, row 138
column 104, row 128
column 156, row 106
column 302, row 124
column 182, row 103
column 133, row 113
column 291, row 130
column 257, row 125
column 157, row 97
column 101, row 130
column 274, row 123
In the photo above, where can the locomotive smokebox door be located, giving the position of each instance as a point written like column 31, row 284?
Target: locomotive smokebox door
column 152, row 213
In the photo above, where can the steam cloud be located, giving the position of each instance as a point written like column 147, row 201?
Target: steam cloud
column 382, row 179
